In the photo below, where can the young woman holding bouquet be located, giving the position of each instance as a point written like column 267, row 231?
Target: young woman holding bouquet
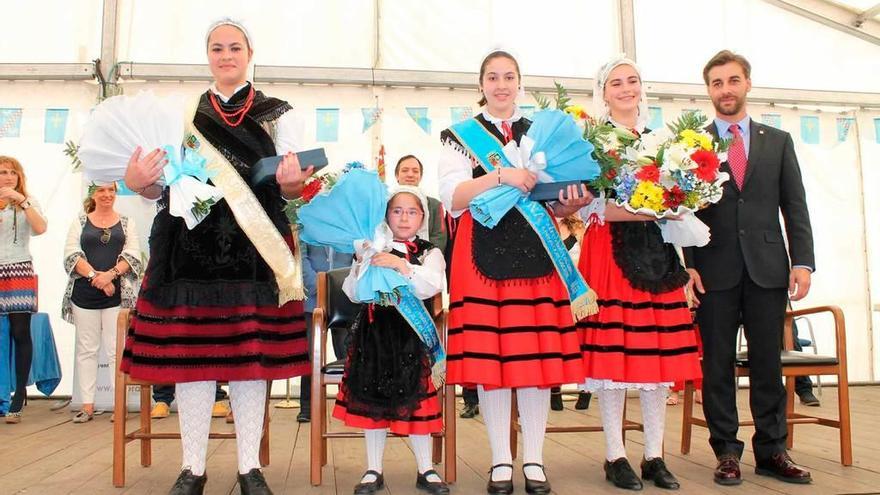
column 510, row 324
column 643, row 336
column 213, row 305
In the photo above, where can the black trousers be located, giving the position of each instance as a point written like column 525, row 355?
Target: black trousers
column 762, row 313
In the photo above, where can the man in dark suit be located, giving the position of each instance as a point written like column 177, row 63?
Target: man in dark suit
column 745, row 274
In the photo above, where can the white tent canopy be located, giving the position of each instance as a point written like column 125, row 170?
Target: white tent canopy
column 394, row 54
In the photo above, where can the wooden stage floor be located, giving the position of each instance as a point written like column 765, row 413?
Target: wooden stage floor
column 47, row 454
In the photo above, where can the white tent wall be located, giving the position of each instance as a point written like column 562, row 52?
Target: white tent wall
column 785, row 50
column 562, row 38
column 50, row 31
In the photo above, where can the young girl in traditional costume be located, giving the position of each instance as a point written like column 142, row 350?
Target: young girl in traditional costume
column 387, row 382
column 643, row 336
column 510, row 322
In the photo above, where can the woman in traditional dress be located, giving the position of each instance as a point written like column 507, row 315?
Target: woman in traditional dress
column 216, row 301
column 643, row 336
column 510, row 321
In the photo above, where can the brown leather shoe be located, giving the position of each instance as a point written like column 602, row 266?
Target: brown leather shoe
column 728, row 473
column 781, row 467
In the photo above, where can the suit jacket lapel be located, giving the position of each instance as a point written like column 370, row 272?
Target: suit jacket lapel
column 756, row 143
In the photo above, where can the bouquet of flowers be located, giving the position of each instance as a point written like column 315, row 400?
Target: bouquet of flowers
column 553, row 148
column 314, row 185
column 668, row 173
column 609, row 142
column 120, row 124
column 672, row 171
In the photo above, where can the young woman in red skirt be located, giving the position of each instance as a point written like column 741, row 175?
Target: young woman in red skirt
column 211, row 307
column 510, row 324
column 387, row 382
column 643, row 336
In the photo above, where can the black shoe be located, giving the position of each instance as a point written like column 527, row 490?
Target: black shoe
column 622, row 475
column 655, row 470
column 505, row 486
column 583, row 401
column 535, row 486
column 370, row 487
column 469, row 411
column 304, row 416
column 189, row 484
column 808, row 399
column 432, row 487
column 556, row 401
column 253, row 483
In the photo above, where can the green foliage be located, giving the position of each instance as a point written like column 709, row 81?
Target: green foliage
column 201, row 207
column 71, row 149
column 561, row 98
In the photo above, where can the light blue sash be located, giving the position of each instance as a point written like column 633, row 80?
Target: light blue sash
column 487, row 150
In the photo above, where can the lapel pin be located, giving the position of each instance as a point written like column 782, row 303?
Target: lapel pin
column 760, row 131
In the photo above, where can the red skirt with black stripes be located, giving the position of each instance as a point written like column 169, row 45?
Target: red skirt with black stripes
column 195, row 343
column 424, row 420
column 637, row 336
column 507, row 333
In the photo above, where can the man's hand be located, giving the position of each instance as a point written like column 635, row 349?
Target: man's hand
column 799, row 283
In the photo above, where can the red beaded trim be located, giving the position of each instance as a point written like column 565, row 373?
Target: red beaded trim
column 229, row 117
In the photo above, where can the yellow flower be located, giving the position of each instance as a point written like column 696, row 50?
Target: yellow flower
column 647, row 195
column 576, row 111
column 692, row 139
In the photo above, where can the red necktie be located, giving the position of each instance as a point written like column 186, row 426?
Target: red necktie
column 736, row 157
column 411, row 248
column 506, row 131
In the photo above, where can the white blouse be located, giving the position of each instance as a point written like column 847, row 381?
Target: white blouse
column 456, row 166
column 427, row 279
column 16, row 232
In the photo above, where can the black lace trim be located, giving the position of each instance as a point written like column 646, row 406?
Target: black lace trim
column 647, row 263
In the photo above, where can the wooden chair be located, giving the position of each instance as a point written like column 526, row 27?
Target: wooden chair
column 795, row 364
column 145, row 434
column 333, row 309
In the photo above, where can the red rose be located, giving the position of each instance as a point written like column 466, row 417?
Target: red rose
column 673, row 197
column 611, row 173
column 311, row 190
column 707, row 165
column 648, row 173
column 614, row 154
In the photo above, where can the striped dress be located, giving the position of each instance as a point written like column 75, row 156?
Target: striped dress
column 639, row 339
column 208, row 305
column 510, row 322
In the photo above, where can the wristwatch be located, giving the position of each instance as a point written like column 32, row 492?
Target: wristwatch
column 91, row 275
column 25, row 204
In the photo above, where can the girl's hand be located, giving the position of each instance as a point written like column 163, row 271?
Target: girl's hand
column 572, row 199
column 388, row 260
column 109, row 290
column 143, row 172
column 520, row 178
